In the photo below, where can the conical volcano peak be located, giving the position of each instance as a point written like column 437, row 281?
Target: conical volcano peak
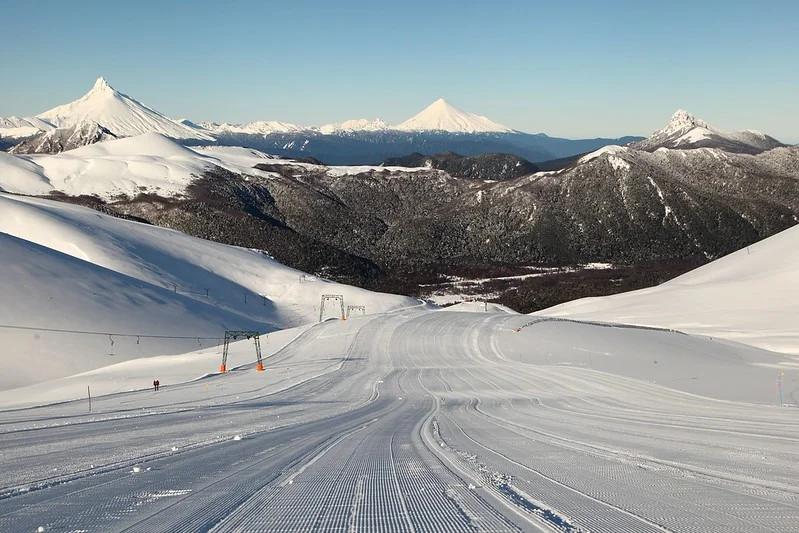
column 118, row 113
column 443, row 116
column 101, row 85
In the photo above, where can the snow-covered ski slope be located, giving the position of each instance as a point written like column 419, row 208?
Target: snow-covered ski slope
column 69, row 267
column 426, row 421
column 750, row 296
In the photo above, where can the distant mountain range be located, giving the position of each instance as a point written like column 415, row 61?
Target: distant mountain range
column 619, row 204
column 438, row 128
column 440, row 200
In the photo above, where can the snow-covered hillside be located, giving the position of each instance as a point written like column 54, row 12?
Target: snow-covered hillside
column 128, row 277
column 442, row 116
column 750, row 296
column 150, row 163
column 49, row 290
column 147, row 163
column 119, row 113
column 20, row 128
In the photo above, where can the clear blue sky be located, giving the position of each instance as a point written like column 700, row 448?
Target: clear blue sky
column 575, row 69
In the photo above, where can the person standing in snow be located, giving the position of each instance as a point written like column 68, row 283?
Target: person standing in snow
column 156, row 384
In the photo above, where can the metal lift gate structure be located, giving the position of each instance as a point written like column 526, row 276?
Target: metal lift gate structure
column 235, row 334
column 356, row 309
column 333, row 297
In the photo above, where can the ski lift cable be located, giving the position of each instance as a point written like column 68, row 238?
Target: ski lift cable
column 108, row 334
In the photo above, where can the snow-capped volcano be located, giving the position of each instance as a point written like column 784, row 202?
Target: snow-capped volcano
column 685, row 131
column 442, row 116
column 120, row 114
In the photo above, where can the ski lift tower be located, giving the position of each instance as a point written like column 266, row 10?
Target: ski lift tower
column 236, row 334
column 334, row 298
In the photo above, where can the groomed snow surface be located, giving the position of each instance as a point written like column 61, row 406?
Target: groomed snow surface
column 407, row 419
column 424, row 421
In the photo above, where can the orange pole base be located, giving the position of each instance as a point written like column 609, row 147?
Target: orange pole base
column 343, row 318
column 222, row 368
column 260, row 367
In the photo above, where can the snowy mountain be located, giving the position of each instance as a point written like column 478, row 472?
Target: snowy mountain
column 437, row 129
column 617, row 205
column 68, row 267
column 260, row 127
column 22, row 128
column 750, row 296
column 62, row 139
column 120, row 114
column 442, row 116
column 132, row 165
column 349, row 126
column 27, row 122
column 684, row 131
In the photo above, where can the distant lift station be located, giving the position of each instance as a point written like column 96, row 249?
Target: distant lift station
column 356, row 310
column 234, row 335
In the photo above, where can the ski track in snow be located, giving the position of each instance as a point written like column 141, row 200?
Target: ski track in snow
column 419, row 421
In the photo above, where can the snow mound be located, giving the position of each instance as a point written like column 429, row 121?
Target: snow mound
column 148, row 144
column 119, row 113
column 750, row 296
column 21, row 176
column 147, row 163
column 441, row 116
